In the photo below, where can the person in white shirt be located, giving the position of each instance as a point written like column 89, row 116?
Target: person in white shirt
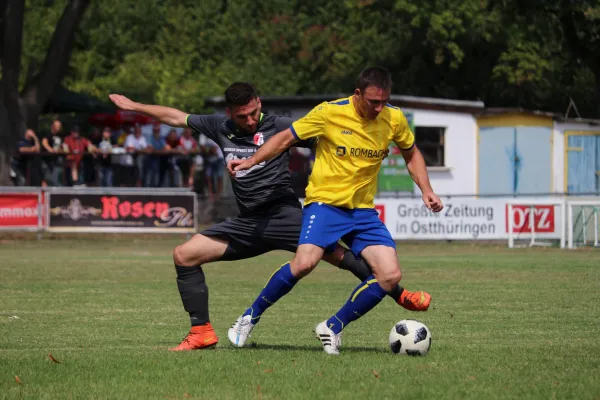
column 135, row 145
column 105, row 148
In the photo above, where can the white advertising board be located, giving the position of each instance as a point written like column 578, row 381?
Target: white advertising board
column 467, row 219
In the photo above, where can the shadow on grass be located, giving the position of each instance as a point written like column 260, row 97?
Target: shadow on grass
column 317, row 348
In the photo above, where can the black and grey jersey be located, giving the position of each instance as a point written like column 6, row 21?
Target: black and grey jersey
column 263, row 185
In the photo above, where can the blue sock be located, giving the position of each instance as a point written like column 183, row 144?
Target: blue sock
column 366, row 296
column 281, row 282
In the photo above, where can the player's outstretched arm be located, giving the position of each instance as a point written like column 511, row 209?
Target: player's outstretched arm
column 274, row 146
column 166, row 115
column 415, row 163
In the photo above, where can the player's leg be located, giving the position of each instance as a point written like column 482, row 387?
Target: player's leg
column 386, row 275
column 231, row 240
column 191, row 283
column 345, row 259
column 282, row 229
column 371, row 239
column 322, row 227
column 281, row 283
column 283, row 279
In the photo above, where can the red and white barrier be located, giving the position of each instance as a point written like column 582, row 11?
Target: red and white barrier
column 22, row 210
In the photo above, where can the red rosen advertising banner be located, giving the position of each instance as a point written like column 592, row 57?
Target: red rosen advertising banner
column 19, row 210
column 121, row 212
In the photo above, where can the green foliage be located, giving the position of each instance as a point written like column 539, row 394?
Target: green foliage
column 507, row 53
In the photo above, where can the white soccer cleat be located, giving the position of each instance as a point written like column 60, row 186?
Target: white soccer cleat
column 330, row 341
column 240, row 331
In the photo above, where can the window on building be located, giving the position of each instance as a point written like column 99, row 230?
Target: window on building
column 430, row 140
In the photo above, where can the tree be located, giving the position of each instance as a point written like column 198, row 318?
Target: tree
column 21, row 106
column 506, row 53
column 580, row 21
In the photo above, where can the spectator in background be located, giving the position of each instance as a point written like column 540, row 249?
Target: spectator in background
column 157, row 161
column 199, row 167
column 299, row 167
column 89, row 163
column 188, row 146
column 21, row 164
column 214, row 165
column 76, row 146
column 136, row 146
column 173, row 146
column 120, row 160
column 52, row 165
column 127, row 129
column 105, row 147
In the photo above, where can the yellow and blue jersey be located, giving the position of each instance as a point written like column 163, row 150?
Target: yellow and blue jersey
column 349, row 151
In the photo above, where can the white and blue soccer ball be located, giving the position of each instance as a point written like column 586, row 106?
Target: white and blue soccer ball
column 410, row 337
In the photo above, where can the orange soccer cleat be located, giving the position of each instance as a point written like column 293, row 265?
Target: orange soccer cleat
column 414, row 301
column 199, row 337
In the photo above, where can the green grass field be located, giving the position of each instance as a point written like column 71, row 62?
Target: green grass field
column 521, row 323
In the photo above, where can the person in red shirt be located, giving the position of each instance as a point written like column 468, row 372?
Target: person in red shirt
column 76, row 146
column 188, row 146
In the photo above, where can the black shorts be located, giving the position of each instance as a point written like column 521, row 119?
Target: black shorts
column 250, row 236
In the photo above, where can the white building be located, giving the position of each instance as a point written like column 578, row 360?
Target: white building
column 474, row 150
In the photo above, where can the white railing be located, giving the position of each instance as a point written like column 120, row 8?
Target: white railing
column 593, row 206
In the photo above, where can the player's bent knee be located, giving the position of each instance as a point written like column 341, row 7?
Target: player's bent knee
column 302, row 266
column 179, row 256
column 186, row 255
column 390, row 279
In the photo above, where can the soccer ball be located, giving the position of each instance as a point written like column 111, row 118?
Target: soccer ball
column 410, row 337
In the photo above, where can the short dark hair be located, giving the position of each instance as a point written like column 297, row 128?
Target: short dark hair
column 374, row 76
column 239, row 94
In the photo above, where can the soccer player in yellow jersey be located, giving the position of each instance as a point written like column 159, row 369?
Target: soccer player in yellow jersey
column 353, row 137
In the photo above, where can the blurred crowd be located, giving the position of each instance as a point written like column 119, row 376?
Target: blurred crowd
column 128, row 157
column 125, row 158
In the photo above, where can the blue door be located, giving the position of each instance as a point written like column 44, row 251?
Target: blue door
column 496, row 160
column 515, row 160
column 583, row 163
column 534, row 163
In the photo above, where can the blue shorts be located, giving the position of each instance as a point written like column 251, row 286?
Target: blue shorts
column 323, row 225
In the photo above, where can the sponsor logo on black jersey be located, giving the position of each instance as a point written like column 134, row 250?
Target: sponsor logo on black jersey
column 259, row 139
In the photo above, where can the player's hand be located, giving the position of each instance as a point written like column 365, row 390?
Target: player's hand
column 122, row 102
column 234, row 166
column 433, row 202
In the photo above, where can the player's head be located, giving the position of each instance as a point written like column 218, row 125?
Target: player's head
column 373, row 90
column 243, row 106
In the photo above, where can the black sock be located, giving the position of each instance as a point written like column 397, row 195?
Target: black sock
column 362, row 271
column 194, row 293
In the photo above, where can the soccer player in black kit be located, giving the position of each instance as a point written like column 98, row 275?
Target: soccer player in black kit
column 270, row 213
